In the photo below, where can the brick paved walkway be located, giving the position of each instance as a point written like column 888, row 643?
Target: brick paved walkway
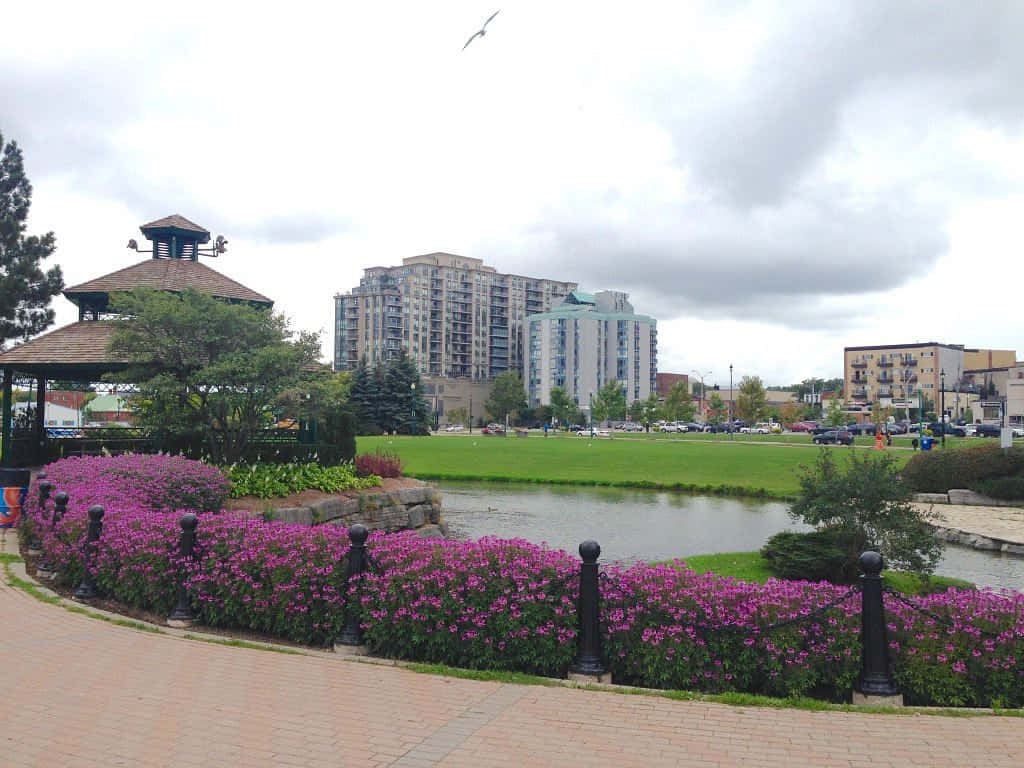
column 77, row 691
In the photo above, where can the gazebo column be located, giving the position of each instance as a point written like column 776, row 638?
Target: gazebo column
column 40, row 425
column 6, row 460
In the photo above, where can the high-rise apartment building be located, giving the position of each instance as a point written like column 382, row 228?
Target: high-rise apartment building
column 456, row 317
column 587, row 341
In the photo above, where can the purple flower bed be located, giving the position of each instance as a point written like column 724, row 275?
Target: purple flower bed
column 501, row 604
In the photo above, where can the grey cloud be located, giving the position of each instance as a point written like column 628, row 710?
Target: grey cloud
column 755, row 144
column 294, row 229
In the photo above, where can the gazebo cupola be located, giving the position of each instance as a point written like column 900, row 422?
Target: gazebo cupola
column 175, row 237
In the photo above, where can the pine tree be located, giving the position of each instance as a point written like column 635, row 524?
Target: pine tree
column 25, row 290
column 364, row 396
column 404, row 403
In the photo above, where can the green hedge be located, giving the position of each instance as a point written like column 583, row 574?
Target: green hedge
column 983, row 467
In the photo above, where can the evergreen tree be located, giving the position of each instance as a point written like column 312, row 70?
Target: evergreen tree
column 364, row 395
column 25, row 290
column 402, row 398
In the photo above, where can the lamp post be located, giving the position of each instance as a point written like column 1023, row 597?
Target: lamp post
column 701, row 376
column 412, row 406
column 590, row 414
column 731, row 425
column 942, row 406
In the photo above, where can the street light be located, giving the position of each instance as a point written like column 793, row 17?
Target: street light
column 731, row 425
column 701, row 376
column 412, row 406
column 942, row 406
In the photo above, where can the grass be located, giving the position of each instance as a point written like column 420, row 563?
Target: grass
column 750, row 566
column 703, row 466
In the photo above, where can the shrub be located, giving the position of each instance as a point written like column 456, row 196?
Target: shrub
column 963, row 467
column 1010, row 488
column 274, row 480
column 864, row 498
column 815, row 556
column 381, row 463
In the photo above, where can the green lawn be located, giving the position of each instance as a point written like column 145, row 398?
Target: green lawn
column 750, row 566
column 698, row 465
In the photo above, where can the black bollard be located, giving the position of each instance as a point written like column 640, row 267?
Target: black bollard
column 60, row 508
column 87, row 589
column 182, row 614
column 352, row 633
column 35, row 546
column 874, row 679
column 588, row 660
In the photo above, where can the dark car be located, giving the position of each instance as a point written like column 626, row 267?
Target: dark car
column 821, row 429
column 867, row 428
column 836, row 436
column 896, row 429
column 987, row 430
column 937, row 428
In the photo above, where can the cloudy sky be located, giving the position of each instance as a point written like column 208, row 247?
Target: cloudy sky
column 771, row 181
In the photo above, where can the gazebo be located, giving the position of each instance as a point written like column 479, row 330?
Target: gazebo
column 78, row 351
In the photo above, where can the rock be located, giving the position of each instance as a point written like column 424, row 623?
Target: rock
column 430, row 532
column 435, row 513
column 416, row 517
column 983, row 543
column 412, row 496
column 444, row 529
column 931, row 498
column 301, row 515
column 326, row 509
column 1012, row 549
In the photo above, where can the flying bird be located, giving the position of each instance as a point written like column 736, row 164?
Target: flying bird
column 482, row 31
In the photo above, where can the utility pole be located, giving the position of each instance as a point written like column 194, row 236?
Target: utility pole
column 731, row 424
column 701, row 377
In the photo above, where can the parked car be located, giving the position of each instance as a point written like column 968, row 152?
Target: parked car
column 895, row 429
column 836, row 436
column 593, row 433
column 454, row 428
column 1018, row 431
column 867, row 428
column 802, row 426
column 632, row 426
column 493, row 429
column 695, row 427
column 937, row 428
column 822, row 429
column 987, row 430
column 758, row 430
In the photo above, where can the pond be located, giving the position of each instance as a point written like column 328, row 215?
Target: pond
column 633, row 525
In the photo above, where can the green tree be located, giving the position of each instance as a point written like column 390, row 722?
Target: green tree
column 751, row 403
column 610, row 402
column 205, row 366
column 507, row 397
column 562, row 406
column 862, row 496
column 25, row 290
column 403, row 407
column 788, row 413
column 678, row 404
column 364, row 396
column 458, row 416
column 969, row 415
column 836, row 414
column 716, row 409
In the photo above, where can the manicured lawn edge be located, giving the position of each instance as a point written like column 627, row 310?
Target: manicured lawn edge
column 708, row 490
column 730, row 699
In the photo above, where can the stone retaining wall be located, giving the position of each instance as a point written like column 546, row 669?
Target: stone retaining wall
column 964, row 496
column 416, row 508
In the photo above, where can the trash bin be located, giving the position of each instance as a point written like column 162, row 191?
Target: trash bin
column 14, row 485
column 927, row 443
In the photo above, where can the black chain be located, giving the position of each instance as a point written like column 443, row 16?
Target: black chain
column 374, row 565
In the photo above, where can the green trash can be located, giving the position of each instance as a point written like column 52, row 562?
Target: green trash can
column 14, row 483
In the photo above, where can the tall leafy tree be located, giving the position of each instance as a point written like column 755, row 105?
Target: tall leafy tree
column 207, row 367
column 836, row 414
column 25, row 289
column 751, row 403
column 678, row 403
column 610, row 402
column 716, row 409
column 507, row 396
column 562, row 406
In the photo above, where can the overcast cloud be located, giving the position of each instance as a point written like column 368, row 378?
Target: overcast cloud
column 772, row 182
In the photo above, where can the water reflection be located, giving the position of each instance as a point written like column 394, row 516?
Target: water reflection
column 633, row 524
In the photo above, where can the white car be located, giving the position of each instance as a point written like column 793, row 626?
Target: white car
column 1018, row 431
column 754, row 430
column 595, row 433
column 454, row 428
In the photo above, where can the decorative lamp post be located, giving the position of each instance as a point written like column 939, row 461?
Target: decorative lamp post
column 701, row 376
column 942, row 406
column 731, row 424
column 412, row 407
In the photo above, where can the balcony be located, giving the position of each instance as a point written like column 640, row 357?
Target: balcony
column 885, row 378
column 907, row 362
column 885, row 363
column 858, row 364
column 860, row 394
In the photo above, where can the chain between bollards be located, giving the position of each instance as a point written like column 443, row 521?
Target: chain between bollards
column 87, row 589
column 588, row 660
column 875, row 679
column 182, row 615
column 352, row 633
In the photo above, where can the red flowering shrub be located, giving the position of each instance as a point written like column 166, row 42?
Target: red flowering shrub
column 381, row 463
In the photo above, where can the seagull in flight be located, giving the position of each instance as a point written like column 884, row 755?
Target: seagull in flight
column 482, row 31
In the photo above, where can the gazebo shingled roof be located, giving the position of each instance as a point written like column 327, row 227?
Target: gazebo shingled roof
column 76, row 351
column 167, row 275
